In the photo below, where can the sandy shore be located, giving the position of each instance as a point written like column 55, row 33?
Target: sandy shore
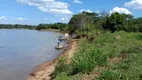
column 45, row 70
column 51, row 30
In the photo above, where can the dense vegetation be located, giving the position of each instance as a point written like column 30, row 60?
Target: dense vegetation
column 87, row 24
column 110, row 48
column 112, row 56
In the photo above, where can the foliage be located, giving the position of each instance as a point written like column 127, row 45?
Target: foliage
column 111, row 75
column 86, row 59
column 61, row 66
column 60, row 26
column 128, row 47
column 92, row 54
column 81, row 24
column 62, row 76
column 17, row 26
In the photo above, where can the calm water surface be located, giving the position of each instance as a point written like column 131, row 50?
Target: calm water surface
column 22, row 50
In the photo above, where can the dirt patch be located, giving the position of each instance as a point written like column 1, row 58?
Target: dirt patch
column 114, row 60
column 118, row 37
column 88, row 77
column 45, row 70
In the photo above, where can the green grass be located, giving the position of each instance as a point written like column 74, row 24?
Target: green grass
column 93, row 54
column 62, row 66
column 129, row 46
column 62, row 76
column 85, row 61
column 111, row 75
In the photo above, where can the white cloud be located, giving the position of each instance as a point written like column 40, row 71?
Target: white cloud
column 85, row 10
column 120, row 10
column 65, row 19
column 21, row 19
column 49, row 6
column 46, row 19
column 97, row 11
column 3, row 18
column 77, row 1
column 62, row 19
column 134, row 4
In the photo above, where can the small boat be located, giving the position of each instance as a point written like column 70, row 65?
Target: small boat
column 58, row 47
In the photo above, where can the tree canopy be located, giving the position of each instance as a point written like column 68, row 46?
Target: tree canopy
column 114, row 22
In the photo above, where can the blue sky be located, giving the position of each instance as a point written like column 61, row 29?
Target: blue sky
column 51, row 11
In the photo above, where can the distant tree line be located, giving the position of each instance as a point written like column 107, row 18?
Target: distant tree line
column 16, row 26
column 60, row 26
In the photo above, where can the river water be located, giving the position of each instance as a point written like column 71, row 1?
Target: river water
column 22, row 50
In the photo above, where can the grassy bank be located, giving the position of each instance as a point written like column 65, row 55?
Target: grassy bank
column 111, row 56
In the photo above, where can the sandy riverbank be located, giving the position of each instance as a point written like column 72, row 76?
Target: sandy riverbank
column 50, row 30
column 45, row 70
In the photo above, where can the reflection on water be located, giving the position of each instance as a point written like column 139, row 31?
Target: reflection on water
column 23, row 50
